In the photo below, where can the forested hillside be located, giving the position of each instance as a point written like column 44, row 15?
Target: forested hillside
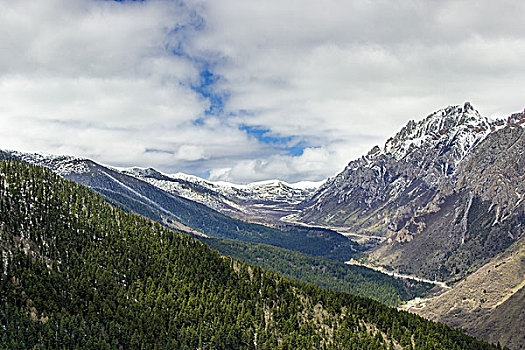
column 325, row 273
column 148, row 200
column 78, row 272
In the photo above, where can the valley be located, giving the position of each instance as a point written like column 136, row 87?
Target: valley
column 361, row 238
column 264, row 202
column 433, row 222
column 383, row 270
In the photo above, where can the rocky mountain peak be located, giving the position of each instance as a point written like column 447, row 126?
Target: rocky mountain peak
column 384, row 188
column 517, row 119
column 143, row 172
column 454, row 124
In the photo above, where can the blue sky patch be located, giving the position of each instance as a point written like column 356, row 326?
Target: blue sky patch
column 157, row 150
column 206, row 89
column 264, row 135
column 286, row 144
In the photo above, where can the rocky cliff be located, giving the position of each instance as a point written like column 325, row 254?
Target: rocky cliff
column 447, row 193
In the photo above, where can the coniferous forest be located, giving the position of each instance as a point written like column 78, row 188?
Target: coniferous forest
column 357, row 280
column 80, row 273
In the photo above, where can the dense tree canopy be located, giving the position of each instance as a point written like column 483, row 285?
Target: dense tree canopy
column 325, row 273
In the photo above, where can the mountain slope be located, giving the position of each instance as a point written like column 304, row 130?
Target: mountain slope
column 489, row 303
column 148, row 200
column 264, row 201
column 78, row 272
column 338, row 276
column 382, row 189
column 475, row 216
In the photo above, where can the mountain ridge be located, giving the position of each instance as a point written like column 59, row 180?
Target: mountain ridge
column 262, row 201
column 177, row 212
column 418, row 158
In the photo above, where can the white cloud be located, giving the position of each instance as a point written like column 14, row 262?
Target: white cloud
column 310, row 165
column 99, row 78
column 326, row 71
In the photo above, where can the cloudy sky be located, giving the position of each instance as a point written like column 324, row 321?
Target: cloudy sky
column 245, row 90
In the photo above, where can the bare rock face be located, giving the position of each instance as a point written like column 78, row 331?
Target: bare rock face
column 447, row 192
column 382, row 190
column 494, row 171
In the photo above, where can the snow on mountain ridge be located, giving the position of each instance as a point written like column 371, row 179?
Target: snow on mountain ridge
column 258, row 200
column 61, row 164
column 454, row 124
column 302, row 185
column 269, row 190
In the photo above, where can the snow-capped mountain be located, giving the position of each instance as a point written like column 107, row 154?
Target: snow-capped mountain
column 258, row 201
column 474, row 226
column 400, row 176
column 264, row 201
column 455, row 127
column 447, row 193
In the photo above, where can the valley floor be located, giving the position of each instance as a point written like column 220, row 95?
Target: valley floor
column 441, row 284
column 345, row 231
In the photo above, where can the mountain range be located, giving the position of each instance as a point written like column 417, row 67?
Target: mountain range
column 134, row 194
column 263, row 202
column 440, row 200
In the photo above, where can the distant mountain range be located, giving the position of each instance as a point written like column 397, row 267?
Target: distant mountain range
column 264, row 201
